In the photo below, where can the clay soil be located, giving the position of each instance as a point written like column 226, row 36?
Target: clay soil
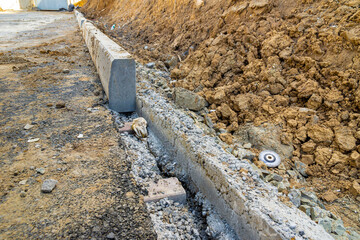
column 48, row 80
column 293, row 64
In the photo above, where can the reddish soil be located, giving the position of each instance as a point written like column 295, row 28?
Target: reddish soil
column 262, row 62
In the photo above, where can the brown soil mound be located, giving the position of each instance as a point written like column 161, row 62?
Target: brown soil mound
column 294, row 64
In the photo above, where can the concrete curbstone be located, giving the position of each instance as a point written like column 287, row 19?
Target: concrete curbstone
column 115, row 67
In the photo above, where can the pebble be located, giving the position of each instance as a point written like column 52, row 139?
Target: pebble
column 28, row 126
column 33, row 140
column 150, row 65
column 23, row 182
column 60, row 105
column 22, row 194
column 292, row 226
column 40, row 170
column 110, row 236
column 66, row 71
column 80, row 136
column 48, row 185
column 247, row 145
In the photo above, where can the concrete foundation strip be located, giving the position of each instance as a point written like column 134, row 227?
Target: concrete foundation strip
column 250, row 206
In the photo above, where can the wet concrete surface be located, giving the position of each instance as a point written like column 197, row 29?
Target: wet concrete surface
column 47, row 80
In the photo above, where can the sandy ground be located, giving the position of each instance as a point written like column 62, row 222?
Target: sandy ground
column 47, row 80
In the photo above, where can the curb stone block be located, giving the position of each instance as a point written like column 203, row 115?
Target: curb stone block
column 115, row 67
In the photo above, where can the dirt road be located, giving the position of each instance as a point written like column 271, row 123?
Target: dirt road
column 48, row 82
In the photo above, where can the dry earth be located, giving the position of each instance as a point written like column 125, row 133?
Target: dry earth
column 47, row 80
column 290, row 64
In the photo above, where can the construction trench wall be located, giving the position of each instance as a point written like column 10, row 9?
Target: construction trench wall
column 248, row 204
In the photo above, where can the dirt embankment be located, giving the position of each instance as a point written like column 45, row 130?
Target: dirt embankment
column 294, row 64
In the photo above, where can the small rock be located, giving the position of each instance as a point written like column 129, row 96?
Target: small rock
column 150, row 65
column 247, row 145
column 28, row 126
column 33, row 140
column 60, row 105
column 273, row 176
column 49, row 104
column 48, row 185
column 22, row 194
column 292, row 226
column 329, row 196
column 355, row 188
column 188, row 99
column 80, row 136
column 338, row 227
column 294, row 196
column 301, row 167
column 305, row 209
column 23, row 182
column 110, row 236
column 139, row 127
column 40, row 170
column 66, row 71
column 326, row 223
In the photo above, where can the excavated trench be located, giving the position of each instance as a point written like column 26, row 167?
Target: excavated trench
column 194, row 219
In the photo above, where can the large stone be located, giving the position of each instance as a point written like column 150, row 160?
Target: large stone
column 320, row 134
column 265, row 138
column 345, row 139
column 115, row 66
column 188, row 99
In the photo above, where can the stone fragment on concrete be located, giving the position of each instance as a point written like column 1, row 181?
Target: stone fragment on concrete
column 115, row 66
column 166, row 188
column 188, row 99
column 48, row 185
column 150, row 65
column 326, row 223
column 294, row 196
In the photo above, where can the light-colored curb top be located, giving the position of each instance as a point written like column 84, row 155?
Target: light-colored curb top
column 248, row 204
column 115, row 67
